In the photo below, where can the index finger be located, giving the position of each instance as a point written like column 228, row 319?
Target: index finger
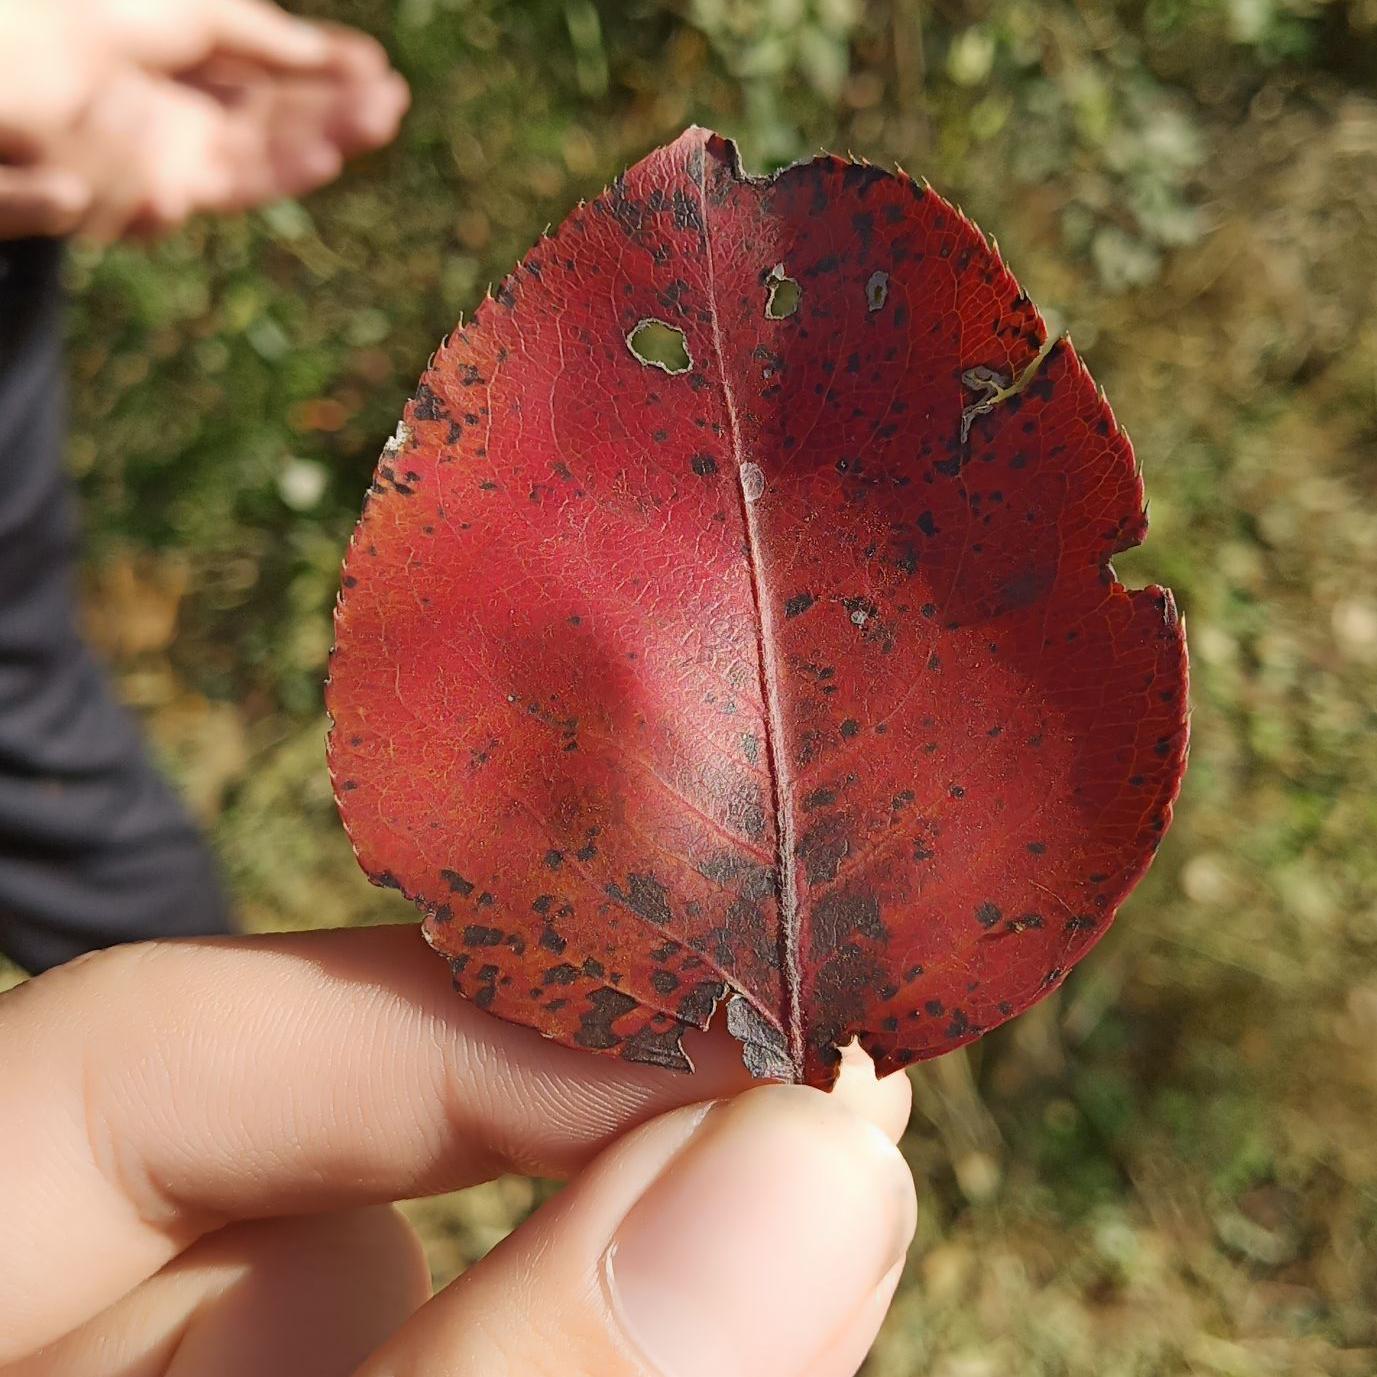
column 259, row 30
column 151, row 1093
column 173, row 37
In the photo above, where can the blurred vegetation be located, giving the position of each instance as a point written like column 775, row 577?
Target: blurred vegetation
column 1171, row 1167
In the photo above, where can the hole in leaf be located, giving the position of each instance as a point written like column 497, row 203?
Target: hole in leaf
column 876, row 289
column 658, row 345
column 784, row 295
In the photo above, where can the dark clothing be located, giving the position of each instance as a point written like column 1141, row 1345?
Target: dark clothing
column 95, row 849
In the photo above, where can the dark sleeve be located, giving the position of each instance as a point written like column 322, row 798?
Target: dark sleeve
column 95, row 848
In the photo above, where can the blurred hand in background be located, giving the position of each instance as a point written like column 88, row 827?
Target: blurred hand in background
column 122, row 117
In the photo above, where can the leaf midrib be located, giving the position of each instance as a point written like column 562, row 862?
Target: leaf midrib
column 776, row 757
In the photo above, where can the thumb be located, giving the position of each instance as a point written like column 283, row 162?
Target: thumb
column 761, row 1237
column 41, row 201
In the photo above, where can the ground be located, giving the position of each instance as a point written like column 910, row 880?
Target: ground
column 1171, row 1166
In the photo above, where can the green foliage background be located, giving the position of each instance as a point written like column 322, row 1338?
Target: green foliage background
column 1170, row 1167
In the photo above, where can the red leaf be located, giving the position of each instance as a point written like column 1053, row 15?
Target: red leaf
column 797, row 679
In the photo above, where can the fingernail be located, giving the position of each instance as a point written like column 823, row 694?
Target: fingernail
column 762, row 1237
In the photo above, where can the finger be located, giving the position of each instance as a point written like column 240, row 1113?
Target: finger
column 262, row 32
column 367, row 115
column 289, row 135
column 296, row 132
column 269, row 157
column 355, row 53
column 344, row 55
column 45, row 201
column 153, row 1092
column 309, row 1297
column 761, row 1238
column 313, row 128
column 174, row 36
